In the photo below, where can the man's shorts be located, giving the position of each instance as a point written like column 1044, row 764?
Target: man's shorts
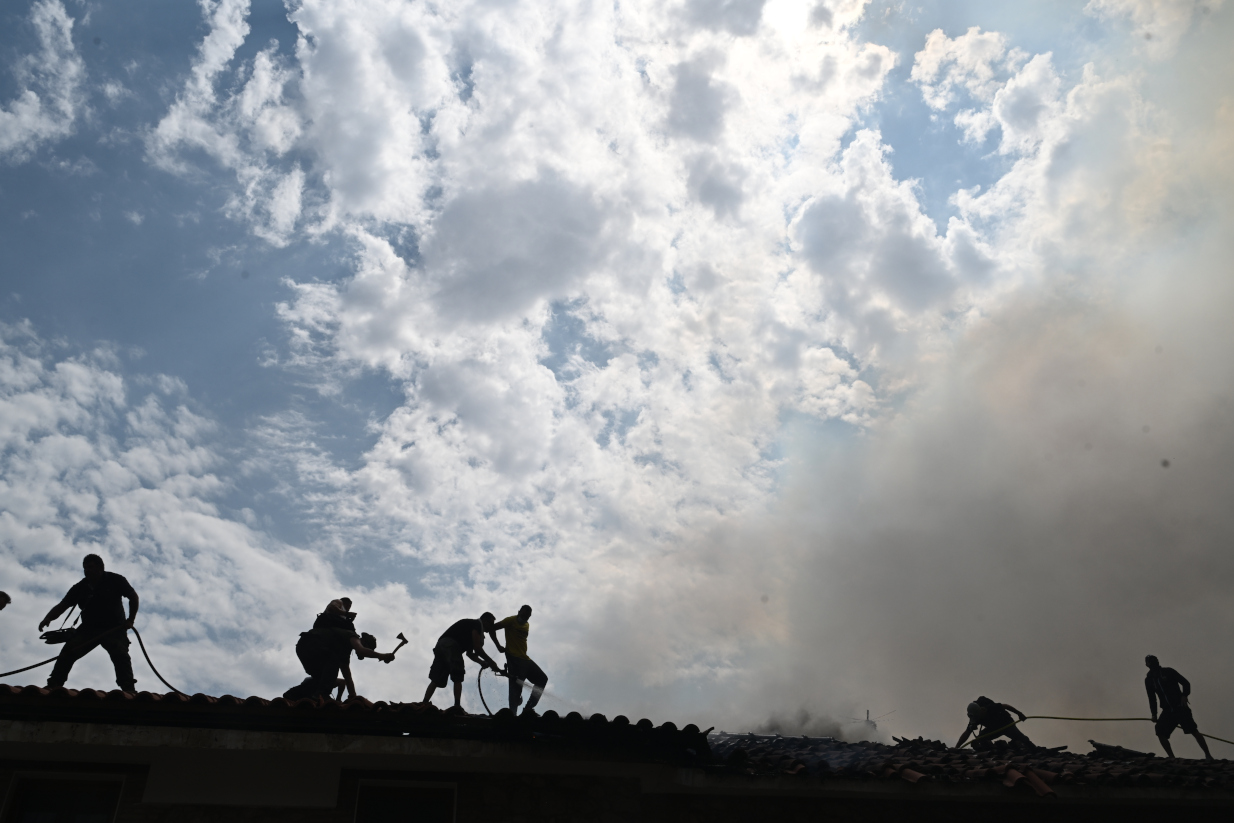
column 447, row 663
column 1172, row 719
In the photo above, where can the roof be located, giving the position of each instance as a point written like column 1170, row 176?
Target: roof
column 618, row 738
column 1047, row 772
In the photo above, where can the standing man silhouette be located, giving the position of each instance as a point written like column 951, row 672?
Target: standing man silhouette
column 102, row 622
column 520, row 667
column 1173, row 689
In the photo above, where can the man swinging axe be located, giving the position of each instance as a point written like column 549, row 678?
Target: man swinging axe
column 326, row 649
column 102, row 622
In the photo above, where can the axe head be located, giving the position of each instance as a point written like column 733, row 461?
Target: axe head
column 400, row 637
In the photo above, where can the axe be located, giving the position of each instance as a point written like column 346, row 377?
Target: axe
column 402, row 643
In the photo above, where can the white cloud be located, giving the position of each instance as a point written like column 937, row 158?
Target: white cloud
column 50, row 80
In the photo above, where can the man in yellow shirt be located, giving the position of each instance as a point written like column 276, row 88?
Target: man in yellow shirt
column 519, row 666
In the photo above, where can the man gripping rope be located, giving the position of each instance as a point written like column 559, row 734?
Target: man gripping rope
column 990, row 716
column 102, row 622
column 1173, row 689
column 519, row 666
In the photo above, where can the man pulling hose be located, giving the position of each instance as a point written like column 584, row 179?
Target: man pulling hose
column 102, row 622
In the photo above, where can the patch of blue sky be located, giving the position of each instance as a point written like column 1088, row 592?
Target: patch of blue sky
column 927, row 145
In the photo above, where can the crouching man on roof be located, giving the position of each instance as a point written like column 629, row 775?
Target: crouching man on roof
column 1173, row 689
column 519, row 667
column 993, row 717
column 466, row 637
column 102, row 622
column 326, row 649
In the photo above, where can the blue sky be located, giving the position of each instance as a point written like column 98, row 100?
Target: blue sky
column 663, row 318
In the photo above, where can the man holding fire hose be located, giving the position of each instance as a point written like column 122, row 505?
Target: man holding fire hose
column 102, row 622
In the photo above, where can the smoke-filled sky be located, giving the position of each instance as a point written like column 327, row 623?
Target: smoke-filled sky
column 791, row 358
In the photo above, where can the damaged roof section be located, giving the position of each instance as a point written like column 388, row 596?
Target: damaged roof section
column 1045, row 772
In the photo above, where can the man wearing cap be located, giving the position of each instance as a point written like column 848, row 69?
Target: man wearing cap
column 326, row 649
column 994, row 717
column 519, row 667
column 465, row 637
column 1173, row 689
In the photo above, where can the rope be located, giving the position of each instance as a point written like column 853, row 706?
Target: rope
column 997, row 732
column 98, row 637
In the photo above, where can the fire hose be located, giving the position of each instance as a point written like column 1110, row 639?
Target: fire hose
column 997, row 732
column 96, row 638
column 480, row 686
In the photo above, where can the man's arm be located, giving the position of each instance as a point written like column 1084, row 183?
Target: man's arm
column 971, row 728
column 134, row 601
column 55, row 612
column 1186, row 684
column 351, row 685
column 1014, row 710
column 500, row 624
column 360, row 651
column 1152, row 698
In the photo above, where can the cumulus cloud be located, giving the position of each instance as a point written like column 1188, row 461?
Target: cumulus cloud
column 50, row 80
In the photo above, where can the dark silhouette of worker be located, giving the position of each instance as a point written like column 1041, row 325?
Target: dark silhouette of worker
column 102, row 622
column 990, row 716
column 519, row 667
column 1173, row 690
column 466, row 637
column 325, row 650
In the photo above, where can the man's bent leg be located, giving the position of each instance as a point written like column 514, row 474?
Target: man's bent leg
column 1199, row 738
column 117, row 646
column 458, row 693
column 538, row 680
column 1165, row 744
column 1016, row 736
column 70, row 654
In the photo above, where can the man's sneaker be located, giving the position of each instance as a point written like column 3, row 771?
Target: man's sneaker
column 457, row 711
column 529, row 713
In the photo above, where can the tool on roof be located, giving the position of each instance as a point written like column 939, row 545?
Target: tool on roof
column 402, row 643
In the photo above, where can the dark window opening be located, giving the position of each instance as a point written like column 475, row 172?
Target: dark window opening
column 38, row 800
column 405, row 804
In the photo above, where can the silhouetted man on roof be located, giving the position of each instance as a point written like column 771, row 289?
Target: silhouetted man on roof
column 464, row 637
column 1173, row 689
column 102, row 622
column 991, row 717
column 326, row 649
column 519, row 667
